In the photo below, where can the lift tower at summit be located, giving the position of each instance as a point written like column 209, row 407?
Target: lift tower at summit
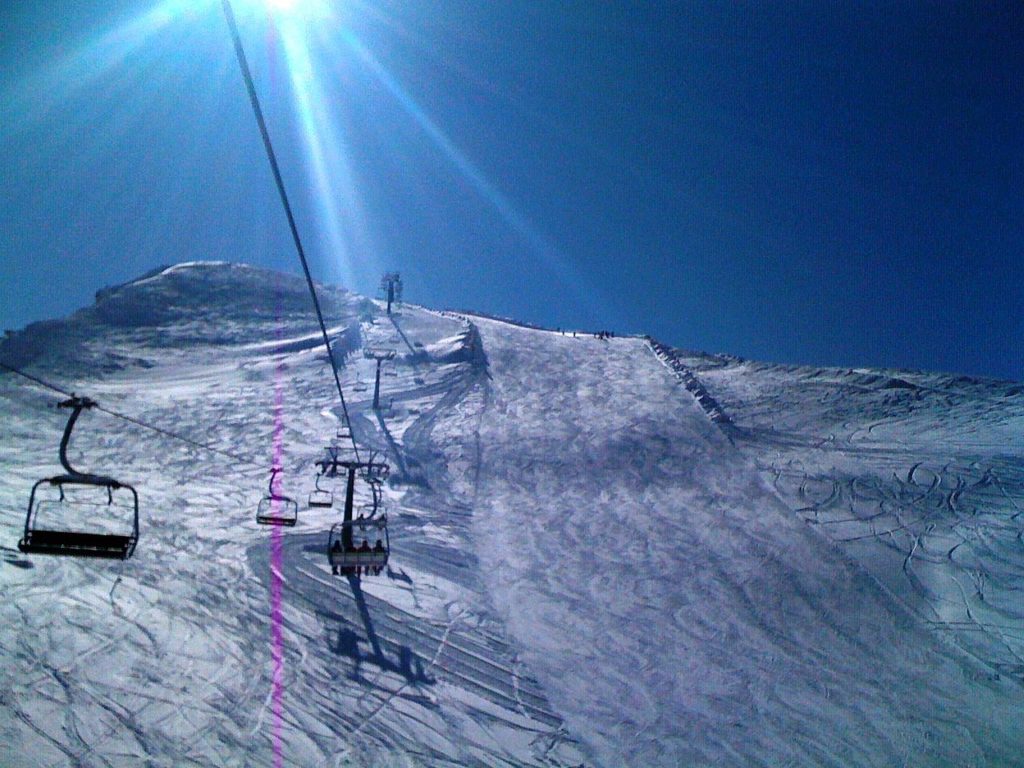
column 391, row 288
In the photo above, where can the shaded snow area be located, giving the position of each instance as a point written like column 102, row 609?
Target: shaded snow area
column 604, row 552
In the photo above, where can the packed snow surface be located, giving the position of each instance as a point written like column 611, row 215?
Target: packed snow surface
column 604, row 552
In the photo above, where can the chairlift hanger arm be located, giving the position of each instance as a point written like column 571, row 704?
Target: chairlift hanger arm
column 274, row 471
column 77, row 404
column 236, row 458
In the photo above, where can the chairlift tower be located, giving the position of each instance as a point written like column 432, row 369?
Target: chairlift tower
column 391, row 287
column 380, row 354
column 372, row 469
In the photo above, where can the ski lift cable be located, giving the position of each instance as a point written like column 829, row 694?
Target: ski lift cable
column 138, row 422
column 243, row 63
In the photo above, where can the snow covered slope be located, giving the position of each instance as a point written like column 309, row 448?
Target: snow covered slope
column 587, row 568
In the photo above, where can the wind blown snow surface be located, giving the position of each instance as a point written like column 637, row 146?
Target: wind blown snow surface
column 604, row 552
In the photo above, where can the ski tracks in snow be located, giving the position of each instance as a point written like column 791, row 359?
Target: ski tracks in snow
column 594, row 534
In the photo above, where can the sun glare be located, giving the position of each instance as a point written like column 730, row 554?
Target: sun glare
column 306, row 9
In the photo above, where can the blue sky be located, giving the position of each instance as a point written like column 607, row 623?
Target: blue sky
column 826, row 183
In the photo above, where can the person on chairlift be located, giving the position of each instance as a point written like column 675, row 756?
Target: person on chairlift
column 336, row 549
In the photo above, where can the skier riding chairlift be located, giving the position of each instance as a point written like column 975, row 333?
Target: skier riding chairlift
column 348, row 558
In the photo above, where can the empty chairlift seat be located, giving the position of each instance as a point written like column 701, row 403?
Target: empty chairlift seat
column 276, row 509
column 81, row 514
column 78, row 522
column 320, row 497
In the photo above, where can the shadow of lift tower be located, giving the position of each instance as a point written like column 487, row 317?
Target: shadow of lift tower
column 380, row 354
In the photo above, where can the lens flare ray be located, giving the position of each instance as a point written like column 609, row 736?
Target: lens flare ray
column 339, row 208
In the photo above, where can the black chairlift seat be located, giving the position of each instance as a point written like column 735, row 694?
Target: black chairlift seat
column 275, row 509
column 74, row 543
column 46, row 536
column 48, row 541
column 321, row 499
column 349, row 547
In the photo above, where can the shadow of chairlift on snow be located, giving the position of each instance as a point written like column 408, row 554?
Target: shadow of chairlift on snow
column 403, row 476
column 383, row 654
column 11, row 558
column 417, row 354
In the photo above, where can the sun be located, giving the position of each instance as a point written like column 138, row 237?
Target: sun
column 313, row 9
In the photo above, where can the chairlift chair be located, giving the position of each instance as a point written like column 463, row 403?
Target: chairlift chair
column 76, row 491
column 275, row 509
column 320, row 497
column 380, row 353
column 349, row 550
column 360, row 386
